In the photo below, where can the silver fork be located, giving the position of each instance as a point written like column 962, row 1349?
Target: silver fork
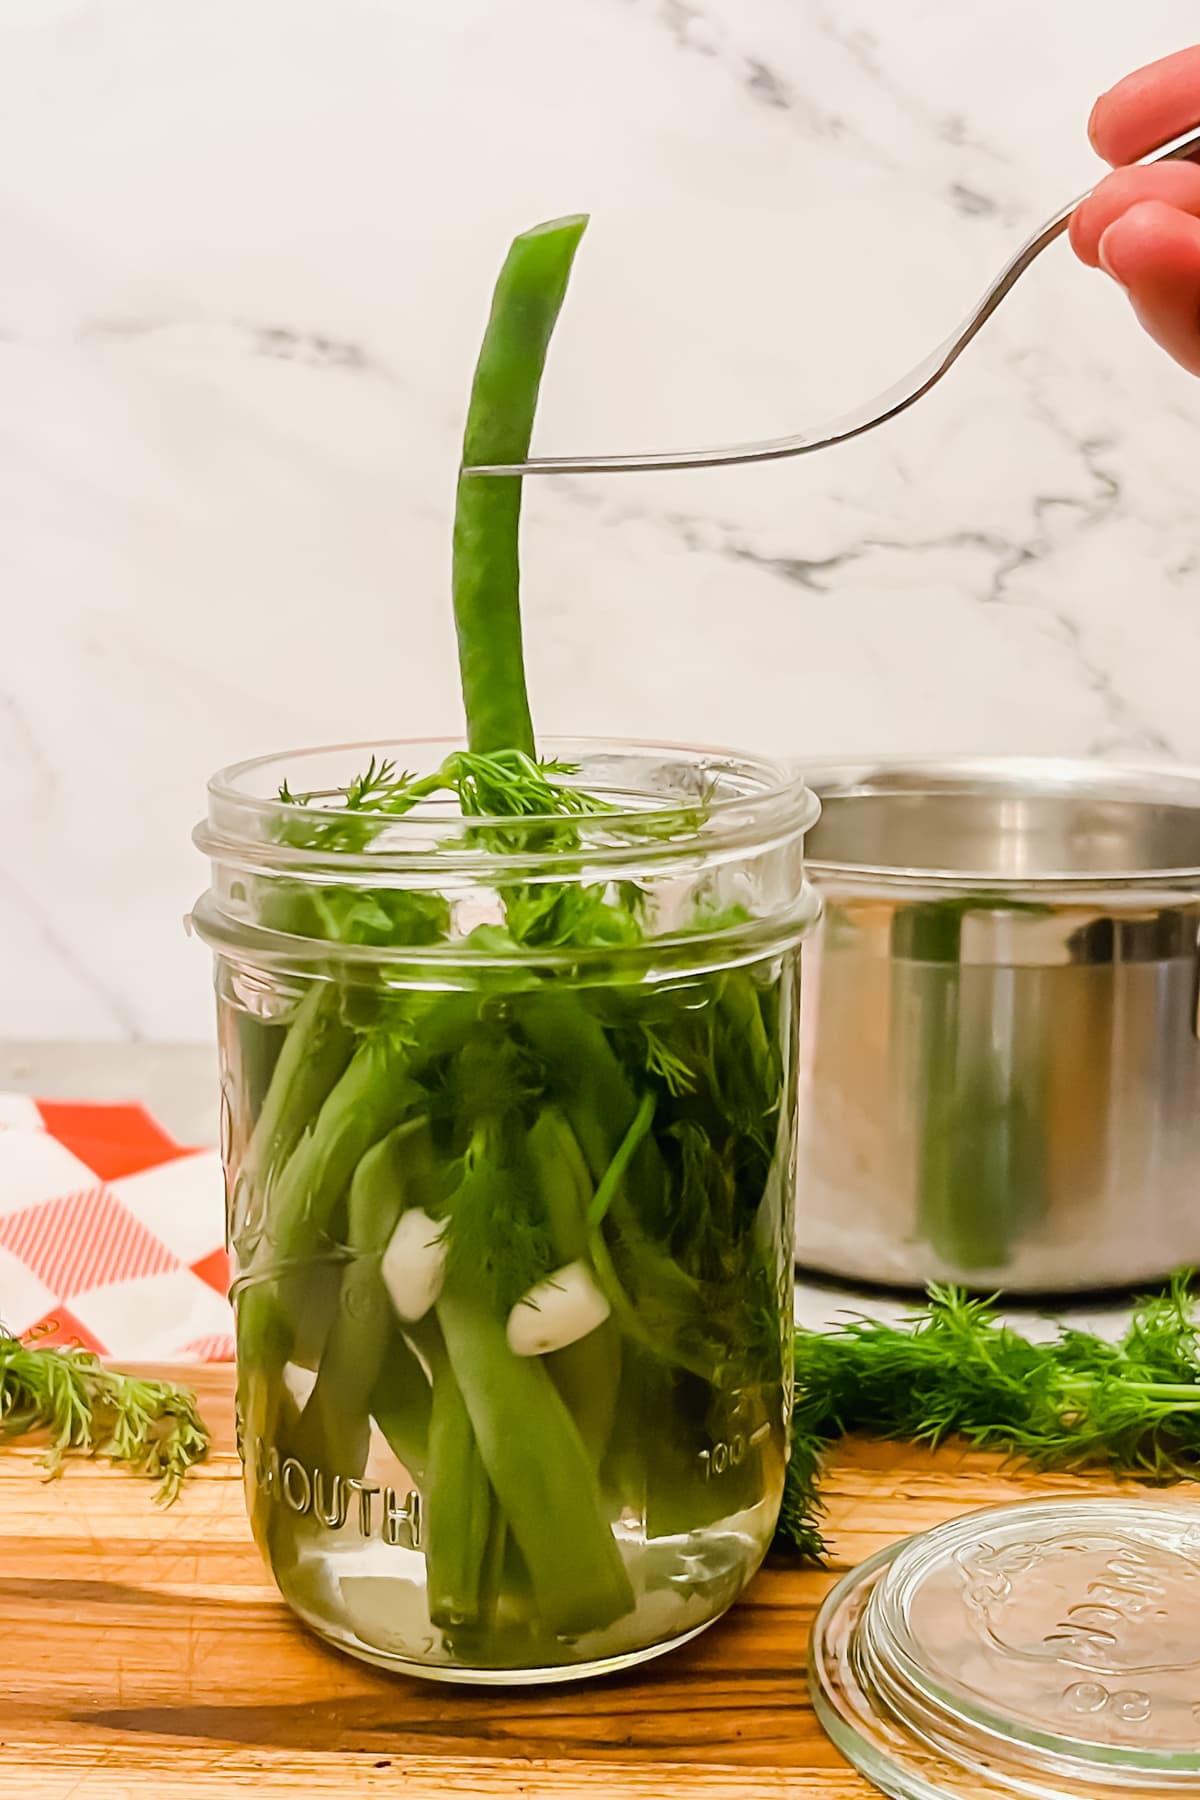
column 874, row 412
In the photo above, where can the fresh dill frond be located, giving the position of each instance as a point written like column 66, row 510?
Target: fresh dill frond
column 955, row 1369
column 498, row 1237
column 498, row 1081
column 504, row 784
column 544, row 915
column 377, row 778
column 703, row 1228
column 510, row 803
column 677, row 1075
column 153, row 1426
column 508, row 783
column 799, row 1529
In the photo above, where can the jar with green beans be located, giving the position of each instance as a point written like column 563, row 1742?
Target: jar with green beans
column 508, row 1108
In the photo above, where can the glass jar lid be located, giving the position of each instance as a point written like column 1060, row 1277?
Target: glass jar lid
column 1048, row 1649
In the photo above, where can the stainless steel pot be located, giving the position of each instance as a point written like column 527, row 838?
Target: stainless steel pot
column 1000, row 1079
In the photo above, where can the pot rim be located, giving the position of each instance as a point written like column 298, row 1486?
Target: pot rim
column 1149, row 783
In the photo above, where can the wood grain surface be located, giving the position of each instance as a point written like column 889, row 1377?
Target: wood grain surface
column 145, row 1654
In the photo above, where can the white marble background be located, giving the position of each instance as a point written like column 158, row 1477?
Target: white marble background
column 247, row 246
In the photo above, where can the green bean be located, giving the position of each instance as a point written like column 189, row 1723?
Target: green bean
column 508, row 1631
column 371, row 1097
column 610, row 1125
column 561, row 1172
column 335, row 1424
column 526, row 303
column 592, row 1088
column 459, row 1515
column 539, row 1469
column 264, row 1340
column 309, row 1294
column 400, row 1404
column 261, row 1501
column 495, row 1556
column 258, row 1044
column 587, row 1374
column 314, row 1054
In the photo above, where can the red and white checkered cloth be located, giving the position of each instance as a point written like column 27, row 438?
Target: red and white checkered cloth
column 111, row 1234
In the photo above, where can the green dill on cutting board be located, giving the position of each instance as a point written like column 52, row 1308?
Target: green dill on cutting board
column 955, row 1369
column 153, row 1427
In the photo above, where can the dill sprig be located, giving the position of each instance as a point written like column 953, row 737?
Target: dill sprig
column 546, row 808
column 955, row 1369
column 153, row 1426
column 501, row 784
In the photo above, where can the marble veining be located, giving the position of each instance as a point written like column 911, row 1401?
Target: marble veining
column 248, row 250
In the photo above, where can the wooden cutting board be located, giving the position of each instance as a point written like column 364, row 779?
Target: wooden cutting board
column 144, row 1655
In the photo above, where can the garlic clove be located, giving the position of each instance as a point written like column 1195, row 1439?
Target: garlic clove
column 557, row 1311
column 299, row 1383
column 414, row 1264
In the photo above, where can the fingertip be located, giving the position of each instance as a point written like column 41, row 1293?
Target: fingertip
column 1121, row 249
column 1147, row 107
column 1080, row 238
column 1093, row 124
column 1105, row 126
column 1153, row 252
column 1152, row 238
column 1103, row 257
column 1178, row 184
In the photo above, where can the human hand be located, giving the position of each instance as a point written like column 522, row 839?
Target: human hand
column 1142, row 226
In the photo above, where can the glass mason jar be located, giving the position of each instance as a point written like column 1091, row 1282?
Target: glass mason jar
column 508, row 1127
